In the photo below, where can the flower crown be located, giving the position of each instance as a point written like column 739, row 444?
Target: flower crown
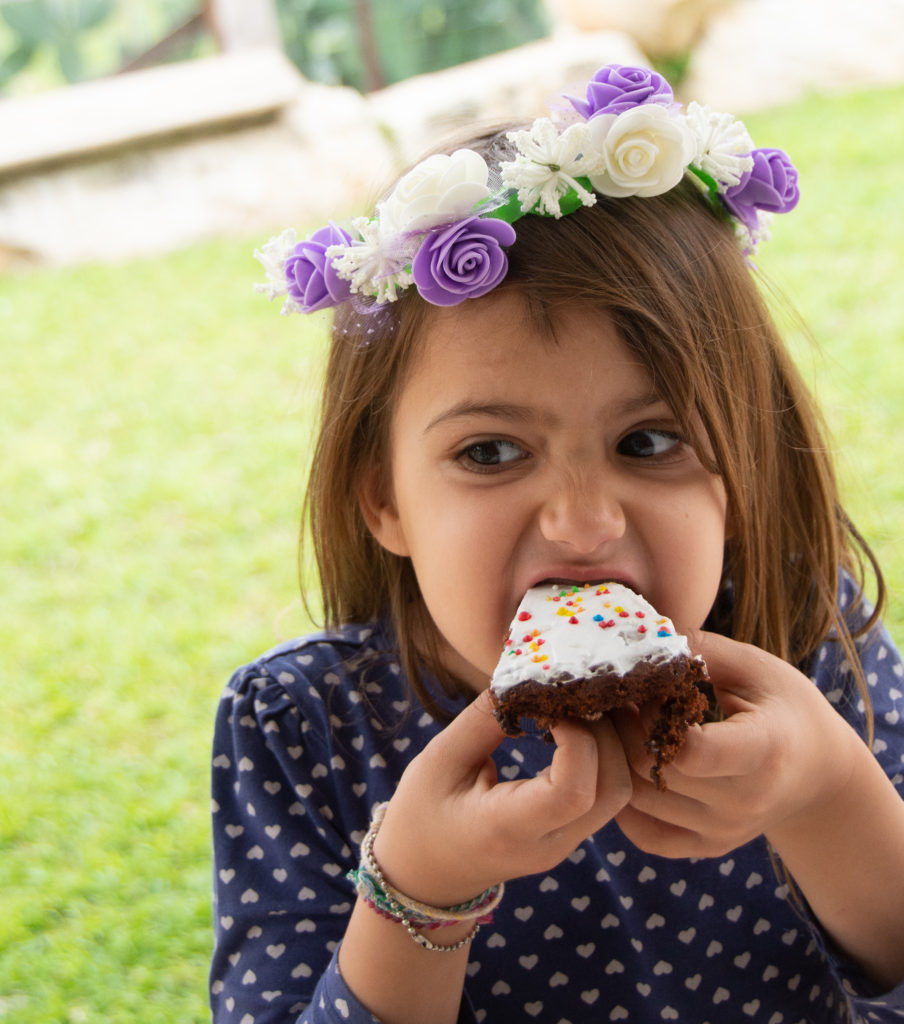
column 444, row 228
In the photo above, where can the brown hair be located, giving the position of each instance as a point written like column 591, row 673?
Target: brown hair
column 672, row 278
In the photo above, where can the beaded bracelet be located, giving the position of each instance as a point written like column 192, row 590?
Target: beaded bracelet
column 387, row 901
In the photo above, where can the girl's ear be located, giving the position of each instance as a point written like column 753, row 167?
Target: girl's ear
column 380, row 514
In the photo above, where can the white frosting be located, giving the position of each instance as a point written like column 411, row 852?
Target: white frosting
column 580, row 630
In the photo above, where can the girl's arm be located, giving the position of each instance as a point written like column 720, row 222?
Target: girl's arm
column 783, row 764
column 282, row 805
column 452, row 830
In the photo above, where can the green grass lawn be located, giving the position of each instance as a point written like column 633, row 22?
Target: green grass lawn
column 155, row 420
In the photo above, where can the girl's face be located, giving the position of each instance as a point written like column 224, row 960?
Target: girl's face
column 517, row 459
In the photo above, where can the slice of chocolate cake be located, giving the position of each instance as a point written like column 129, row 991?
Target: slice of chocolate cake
column 580, row 651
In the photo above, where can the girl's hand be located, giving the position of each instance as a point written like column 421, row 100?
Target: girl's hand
column 785, row 765
column 452, row 829
column 781, row 752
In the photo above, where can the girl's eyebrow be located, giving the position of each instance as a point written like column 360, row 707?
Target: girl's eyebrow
column 528, row 414
column 495, row 410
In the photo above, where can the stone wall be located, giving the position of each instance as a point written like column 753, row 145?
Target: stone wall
column 317, row 153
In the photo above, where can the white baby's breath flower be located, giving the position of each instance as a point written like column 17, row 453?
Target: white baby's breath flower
column 750, row 238
column 548, row 164
column 723, row 144
column 370, row 264
column 272, row 257
column 645, row 151
column 439, row 190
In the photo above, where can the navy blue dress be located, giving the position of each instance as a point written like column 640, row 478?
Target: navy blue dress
column 316, row 732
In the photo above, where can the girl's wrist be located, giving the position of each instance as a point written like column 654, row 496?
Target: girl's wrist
column 407, row 860
column 421, row 920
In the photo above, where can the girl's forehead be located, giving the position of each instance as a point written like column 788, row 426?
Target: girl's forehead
column 493, row 353
column 500, row 328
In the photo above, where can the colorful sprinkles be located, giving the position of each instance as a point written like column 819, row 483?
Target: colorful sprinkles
column 612, row 610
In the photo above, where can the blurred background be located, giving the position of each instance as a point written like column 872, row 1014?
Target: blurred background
column 156, row 414
column 362, row 43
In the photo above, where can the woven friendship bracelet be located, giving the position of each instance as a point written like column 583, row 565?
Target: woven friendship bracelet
column 387, row 901
column 369, row 888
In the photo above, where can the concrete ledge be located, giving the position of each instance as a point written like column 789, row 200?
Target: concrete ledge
column 120, row 111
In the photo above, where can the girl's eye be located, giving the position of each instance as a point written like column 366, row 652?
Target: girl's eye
column 648, row 443
column 487, row 455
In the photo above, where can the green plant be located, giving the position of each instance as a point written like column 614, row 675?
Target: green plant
column 58, row 25
column 332, row 40
column 48, row 43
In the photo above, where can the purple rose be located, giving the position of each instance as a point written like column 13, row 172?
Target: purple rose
column 618, row 87
column 462, row 261
column 312, row 280
column 771, row 185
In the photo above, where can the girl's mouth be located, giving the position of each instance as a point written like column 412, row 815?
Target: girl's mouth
column 565, row 580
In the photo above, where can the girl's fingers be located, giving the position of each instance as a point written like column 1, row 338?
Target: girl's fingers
column 768, row 759
column 574, row 774
column 586, row 784
column 747, row 682
column 633, row 728
column 467, row 741
column 767, row 705
column 744, row 677
column 673, row 806
column 587, row 762
column 663, row 838
column 603, row 781
column 721, row 750
column 477, row 830
column 587, row 781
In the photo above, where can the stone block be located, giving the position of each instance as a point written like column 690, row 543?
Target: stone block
column 763, row 53
column 661, row 28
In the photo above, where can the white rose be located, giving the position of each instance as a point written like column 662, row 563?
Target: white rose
column 645, row 151
column 439, row 190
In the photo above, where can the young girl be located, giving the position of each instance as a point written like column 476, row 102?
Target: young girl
column 550, row 363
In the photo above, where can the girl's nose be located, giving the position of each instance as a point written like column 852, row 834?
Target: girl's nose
column 582, row 514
